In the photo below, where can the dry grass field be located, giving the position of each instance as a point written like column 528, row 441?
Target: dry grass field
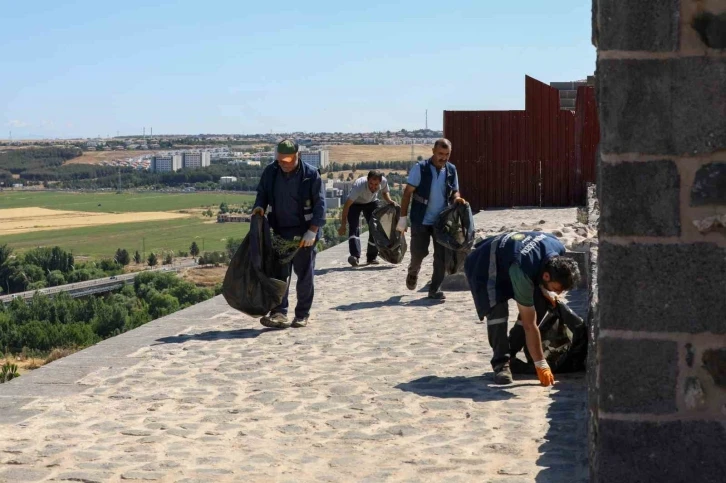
column 204, row 277
column 352, row 153
column 97, row 157
column 23, row 220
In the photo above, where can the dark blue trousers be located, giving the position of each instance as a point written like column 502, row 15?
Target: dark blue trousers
column 354, row 213
column 304, row 266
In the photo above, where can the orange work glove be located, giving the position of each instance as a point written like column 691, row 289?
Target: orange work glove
column 546, row 378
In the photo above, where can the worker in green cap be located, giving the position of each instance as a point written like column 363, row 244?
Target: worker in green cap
column 295, row 194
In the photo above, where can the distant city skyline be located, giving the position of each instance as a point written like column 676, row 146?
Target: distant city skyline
column 94, row 69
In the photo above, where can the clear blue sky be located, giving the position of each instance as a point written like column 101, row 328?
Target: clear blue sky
column 87, row 68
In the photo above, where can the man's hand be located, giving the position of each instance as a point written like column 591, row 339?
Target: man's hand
column 391, row 201
column 341, row 230
column 544, row 373
column 551, row 297
column 258, row 211
column 308, row 239
column 460, row 201
column 402, row 224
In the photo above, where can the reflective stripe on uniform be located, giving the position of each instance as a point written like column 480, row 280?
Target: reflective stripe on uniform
column 492, row 276
column 503, row 320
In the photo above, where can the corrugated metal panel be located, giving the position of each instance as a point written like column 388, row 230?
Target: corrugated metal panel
column 541, row 156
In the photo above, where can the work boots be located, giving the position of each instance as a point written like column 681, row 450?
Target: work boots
column 503, row 374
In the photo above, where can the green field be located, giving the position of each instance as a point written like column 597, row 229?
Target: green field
column 157, row 236
column 103, row 240
column 117, row 203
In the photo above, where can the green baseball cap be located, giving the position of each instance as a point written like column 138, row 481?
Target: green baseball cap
column 287, row 146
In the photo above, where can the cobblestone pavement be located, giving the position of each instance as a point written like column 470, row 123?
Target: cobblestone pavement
column 383, row 385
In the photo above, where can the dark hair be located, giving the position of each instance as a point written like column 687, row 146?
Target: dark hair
column 443, row 143
column 563, row 270
column 374, row 173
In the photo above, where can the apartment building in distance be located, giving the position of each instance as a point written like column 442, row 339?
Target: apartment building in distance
column 196, row 160
column 174, row 162
column 319, row 159
column 166, row 163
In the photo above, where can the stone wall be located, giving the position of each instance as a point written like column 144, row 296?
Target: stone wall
column 659, row 382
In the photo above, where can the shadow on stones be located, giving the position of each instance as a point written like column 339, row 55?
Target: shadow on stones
column 214, row 335
column 374, row 268
column 394, row 301
column 477, row 388
column 564, row 452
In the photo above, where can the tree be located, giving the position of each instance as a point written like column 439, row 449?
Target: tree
column 233, row 245
column 420, row 158
column 168, row 259
column 109, row 320
column 122, row 257
column 153, row 260
column 194, row 249
column 223, row 208
column 5, row 252
column 137, row 257
column 56, row 278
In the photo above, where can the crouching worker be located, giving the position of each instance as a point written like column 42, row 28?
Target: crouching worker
column 363, row 198
column 517, row 265
column 296, row 195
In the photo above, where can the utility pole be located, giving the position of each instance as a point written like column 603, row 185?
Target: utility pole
column 143, row 248
column 427, row 119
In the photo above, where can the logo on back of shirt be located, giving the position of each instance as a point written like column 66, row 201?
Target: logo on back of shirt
column 518, row 236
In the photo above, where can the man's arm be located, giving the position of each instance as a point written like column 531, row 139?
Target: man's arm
column 406, row 200
column 387, row 198
column 531, row 331
column 261, row 201
column 318, row 205
column 524, row 296
column 455, row 195
column 344, row 217
column 318, row 220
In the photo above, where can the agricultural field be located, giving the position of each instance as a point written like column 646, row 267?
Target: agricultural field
column 347, row 153
column 353, row 153
column 178, row 221
column 117, row 203
column 97, row 157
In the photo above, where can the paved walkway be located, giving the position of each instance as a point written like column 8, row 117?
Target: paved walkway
column 384, row 385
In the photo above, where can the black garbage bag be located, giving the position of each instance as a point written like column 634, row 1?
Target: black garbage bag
column 391, row 243
column 252, row 283
column 454, row 230
column 564, row 341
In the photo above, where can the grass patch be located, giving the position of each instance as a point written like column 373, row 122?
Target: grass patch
column 118, row 203
column 157, row 236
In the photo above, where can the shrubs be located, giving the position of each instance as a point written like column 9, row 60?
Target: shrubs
column 43, row 323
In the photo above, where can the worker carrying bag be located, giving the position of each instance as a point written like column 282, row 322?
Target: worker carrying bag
column 454, row 230
column 391, row 243
column 252, row 283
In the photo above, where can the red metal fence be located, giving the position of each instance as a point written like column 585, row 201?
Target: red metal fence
column 542, row 156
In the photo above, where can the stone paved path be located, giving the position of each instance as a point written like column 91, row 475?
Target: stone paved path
column 382, row 386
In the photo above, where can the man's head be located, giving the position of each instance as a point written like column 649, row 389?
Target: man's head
column 287, row 155
column 560, row 274
column 442, row 151
column 375, row 178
